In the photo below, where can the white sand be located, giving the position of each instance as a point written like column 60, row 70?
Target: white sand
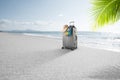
column 37, row 58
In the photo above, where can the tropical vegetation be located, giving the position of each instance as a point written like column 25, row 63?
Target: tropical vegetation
column 105, row 12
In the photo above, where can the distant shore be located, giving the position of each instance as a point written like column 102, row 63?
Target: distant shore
column 40, row 58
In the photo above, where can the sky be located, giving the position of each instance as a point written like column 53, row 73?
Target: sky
column 48, row 15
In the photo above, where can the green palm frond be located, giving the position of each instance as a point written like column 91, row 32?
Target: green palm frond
column 105, row 11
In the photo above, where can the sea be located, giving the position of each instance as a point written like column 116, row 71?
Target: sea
column 101, row 40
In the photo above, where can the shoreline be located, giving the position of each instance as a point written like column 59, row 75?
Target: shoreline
column 79, row 44
column 59, row 38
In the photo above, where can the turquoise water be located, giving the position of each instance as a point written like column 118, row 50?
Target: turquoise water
column 102, row 40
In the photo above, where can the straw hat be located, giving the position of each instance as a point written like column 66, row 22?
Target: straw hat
column 65, row 28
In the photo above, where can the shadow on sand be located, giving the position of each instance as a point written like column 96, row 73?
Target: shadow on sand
column 20, row 64
column 110, row 73
column 49, row 55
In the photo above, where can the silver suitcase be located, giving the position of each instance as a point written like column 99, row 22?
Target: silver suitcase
column 70, row 42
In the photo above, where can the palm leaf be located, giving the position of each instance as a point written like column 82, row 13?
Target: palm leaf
column 105, row 11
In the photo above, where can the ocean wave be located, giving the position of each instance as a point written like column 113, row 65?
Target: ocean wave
column 95, row 40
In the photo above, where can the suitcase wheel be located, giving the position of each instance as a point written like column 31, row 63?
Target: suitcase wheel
column 72, row 49
column 62, row 48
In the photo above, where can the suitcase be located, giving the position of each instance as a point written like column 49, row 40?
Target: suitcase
column 70, row 40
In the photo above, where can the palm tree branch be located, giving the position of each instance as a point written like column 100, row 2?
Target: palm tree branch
column 117, row 11
column 106, row 11
column 105, row 8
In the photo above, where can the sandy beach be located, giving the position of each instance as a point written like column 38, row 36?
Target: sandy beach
column 39, row 58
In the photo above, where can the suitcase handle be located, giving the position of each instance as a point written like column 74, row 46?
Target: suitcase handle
column 71, row 23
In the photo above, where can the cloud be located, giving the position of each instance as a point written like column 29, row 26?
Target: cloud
column 32, row 25
column 60, row 15
column 41, row 23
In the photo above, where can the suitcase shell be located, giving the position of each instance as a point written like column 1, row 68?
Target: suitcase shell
column 70, row 42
